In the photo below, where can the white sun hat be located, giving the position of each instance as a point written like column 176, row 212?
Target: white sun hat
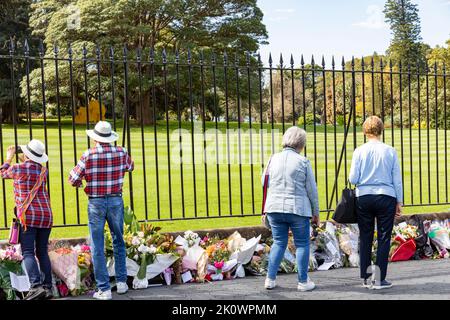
column 35, row 151
column 103, row 132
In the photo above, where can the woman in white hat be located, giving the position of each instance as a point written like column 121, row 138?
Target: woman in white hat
column 33, row 211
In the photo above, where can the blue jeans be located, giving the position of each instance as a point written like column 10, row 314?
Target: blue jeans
column 100, row 210
column 280, row 224
column 34, row 244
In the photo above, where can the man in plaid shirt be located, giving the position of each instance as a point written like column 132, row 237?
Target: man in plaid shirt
column 103, row 167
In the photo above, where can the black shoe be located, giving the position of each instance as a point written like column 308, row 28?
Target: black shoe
column 37, row 293
column 382, row 285
column 48, row 294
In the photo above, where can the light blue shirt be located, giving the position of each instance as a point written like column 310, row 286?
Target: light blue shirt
column 375, row 170
column 292, row 187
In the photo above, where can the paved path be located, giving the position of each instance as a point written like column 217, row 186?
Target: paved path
column 425, row 279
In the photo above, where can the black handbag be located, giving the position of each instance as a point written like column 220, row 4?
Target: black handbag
column 345, row 211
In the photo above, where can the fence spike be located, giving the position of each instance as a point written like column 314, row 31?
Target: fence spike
column 312, row 60
column 435, row 67
column 164, row 56
column 26, row 47
column 390, row 64
column 381, row 64
column 302, row 61
column 125, row 52
column 97, row 51
column 11, row 46
column 84, row 51
column 247, row 58
column 362, row 63
column 202, row 56
column 177, row 56
column 259, row 59
column 41, row 47
column 353, row 62
column 213, row 58
column 372, row 64
column 281, row 60
column 151, row 55
column 332, row 61
column 55, row 49
column 236, row 59
column 138, row 53
column 70, row 50
column 343, row 63
column 225, row 58
column 270, row 59
column 443, row 69
column 111, row 53
column 323, row 62
column 189, row 56
column 400, row 65
column 292, row 61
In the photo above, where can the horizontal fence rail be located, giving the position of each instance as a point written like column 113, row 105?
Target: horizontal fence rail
column 201, row 127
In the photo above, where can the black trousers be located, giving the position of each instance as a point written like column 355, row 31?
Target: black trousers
column 382, row 209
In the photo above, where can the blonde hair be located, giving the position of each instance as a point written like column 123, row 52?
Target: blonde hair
column 373, row 126
column 294, row 137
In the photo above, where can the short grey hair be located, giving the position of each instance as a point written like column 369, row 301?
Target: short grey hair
column 294, row 137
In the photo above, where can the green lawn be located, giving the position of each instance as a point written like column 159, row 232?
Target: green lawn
column 325, row 168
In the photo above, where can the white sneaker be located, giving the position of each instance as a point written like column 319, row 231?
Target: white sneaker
column 269, row 284
column 122, row 287
column 308, row 286
column 103, row 295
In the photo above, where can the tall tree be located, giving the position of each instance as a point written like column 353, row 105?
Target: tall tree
column 406, row 44
column 141, row 25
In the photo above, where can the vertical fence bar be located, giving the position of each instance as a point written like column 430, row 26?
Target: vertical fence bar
column 271, row 103
column 191, row 106
column 445, row 132
column 166, row 108
column 313, row 71
column 401, row 125
column 372, row 74
column 155, row 128
column 58, row 108
column 216, row 116
column 249, row 88
column 345, row 117
column 74, row 138
column 293, row 90
column 13, row 93
column 238, row 102
column 427, row 70
column 410, row 135
column 420, row 134
column 282, row 91
column 225, row 75
column 302, row 68
column 180, row 135
column 203, row 107
column 325, row 134
column 353, row 103
column 436, row 129
column 363, row 91
column 99, row 88
column 141, row 110
column 2, row 158
column 126, row 105
column 336, row 176
column 27, row 71
column 113, row 91
column 261, row 125
column 392, row 101
column 44, row 107
column 86, row 92
column 382, row 93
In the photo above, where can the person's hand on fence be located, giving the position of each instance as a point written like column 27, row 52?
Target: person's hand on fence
column 315, row 220
column 10, row 153
column 398, row 210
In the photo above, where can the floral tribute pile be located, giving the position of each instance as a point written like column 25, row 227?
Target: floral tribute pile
column 157, row 257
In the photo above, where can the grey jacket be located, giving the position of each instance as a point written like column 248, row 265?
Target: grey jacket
column 291, row 185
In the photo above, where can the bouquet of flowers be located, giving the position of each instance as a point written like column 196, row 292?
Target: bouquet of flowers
column 220, row 265
column 439, row 236
column 10, row 261
column 348, row 236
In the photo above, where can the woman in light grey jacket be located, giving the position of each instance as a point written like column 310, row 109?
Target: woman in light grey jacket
column 291, row 202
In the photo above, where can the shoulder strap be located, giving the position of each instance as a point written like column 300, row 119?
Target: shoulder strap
column 265, row 186
column 26, row 203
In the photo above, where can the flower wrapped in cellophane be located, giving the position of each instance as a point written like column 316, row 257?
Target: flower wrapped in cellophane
column 10, row 261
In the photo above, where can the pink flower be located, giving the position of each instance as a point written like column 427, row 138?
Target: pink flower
column 63, row 290
column 219, row 264
column 85, row 248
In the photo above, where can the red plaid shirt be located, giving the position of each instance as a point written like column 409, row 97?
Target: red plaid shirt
column 103, row 167
column 25, row 175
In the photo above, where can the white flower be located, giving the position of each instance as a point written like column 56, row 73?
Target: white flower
column 152, row 249
column 141, row 234
column 135, row 241
column 2, row 254
column 136, row 257
column 143, row 248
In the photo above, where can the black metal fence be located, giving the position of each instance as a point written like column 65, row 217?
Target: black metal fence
column 201, row 127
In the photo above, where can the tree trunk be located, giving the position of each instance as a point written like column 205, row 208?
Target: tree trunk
column 147, row 109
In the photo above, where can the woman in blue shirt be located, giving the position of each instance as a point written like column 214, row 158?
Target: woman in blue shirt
column 291, row 202
column 376, row 173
